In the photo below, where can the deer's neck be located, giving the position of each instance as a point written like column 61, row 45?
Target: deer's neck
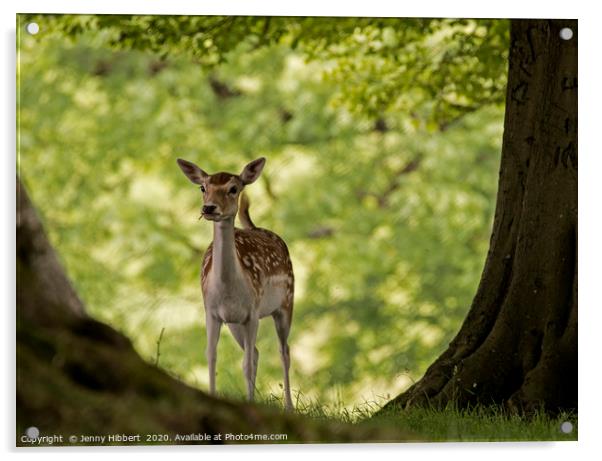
column 225, row 261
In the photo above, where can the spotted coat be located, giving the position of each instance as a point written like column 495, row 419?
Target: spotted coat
column 265, row 257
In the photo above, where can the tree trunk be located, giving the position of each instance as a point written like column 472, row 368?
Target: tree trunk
column 518, row 343
column 76, row 375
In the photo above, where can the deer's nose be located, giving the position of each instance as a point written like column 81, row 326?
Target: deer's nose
column 209, row 209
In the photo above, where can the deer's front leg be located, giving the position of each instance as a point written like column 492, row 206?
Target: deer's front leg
column 250, row 363
column 214, row 326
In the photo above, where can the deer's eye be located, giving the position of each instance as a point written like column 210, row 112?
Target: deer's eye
column 233, row 190
column 203, row 189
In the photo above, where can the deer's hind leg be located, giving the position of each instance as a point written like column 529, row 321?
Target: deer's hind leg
column 282, row 320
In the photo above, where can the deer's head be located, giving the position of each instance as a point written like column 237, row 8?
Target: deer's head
column 221, row 190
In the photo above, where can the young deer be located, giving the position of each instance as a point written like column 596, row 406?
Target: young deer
column 247, row 273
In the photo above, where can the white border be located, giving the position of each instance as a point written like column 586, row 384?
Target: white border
column 589, row 207
column 457, row 8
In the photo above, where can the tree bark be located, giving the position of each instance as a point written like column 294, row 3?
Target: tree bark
column 76, row 375
column 518, row 343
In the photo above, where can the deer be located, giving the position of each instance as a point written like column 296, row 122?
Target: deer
column 246, row 275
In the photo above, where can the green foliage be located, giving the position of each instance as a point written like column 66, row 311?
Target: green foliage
column 382, row 138
column 439, row 68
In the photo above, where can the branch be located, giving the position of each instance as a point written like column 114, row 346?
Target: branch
column 221, row 89
column 320, row 232
column 395, row 183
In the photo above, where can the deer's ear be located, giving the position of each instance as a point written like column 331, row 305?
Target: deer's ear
column 193, row 172
column 252, row 171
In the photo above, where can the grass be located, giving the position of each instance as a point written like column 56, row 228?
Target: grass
column 481, row 423
column 477, row 424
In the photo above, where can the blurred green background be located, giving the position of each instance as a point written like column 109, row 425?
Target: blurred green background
column 381, row 178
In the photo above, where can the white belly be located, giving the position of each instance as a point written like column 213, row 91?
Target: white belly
column 235, row 301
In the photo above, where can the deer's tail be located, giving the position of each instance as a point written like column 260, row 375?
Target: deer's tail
column 243, row 212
